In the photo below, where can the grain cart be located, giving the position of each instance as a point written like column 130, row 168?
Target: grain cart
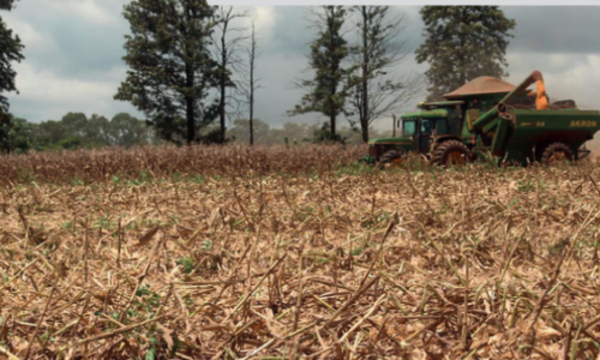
column 489, row 115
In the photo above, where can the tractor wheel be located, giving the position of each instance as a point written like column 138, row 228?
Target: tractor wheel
column 557, row 152
column 392, row 158
column 451, row 152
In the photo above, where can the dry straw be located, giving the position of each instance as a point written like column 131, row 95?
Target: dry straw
column 288, row 256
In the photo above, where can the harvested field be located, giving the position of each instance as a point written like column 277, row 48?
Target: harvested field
column 412, row 264
column 92, row 166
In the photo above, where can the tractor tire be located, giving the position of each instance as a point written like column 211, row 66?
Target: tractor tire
column 392, row 157
column 556, row 152
column 451, row 152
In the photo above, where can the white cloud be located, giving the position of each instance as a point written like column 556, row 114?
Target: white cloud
column 578, row 82
column 55, row 96
column 96, row 12
column 264, row 18
column 89, row 10
column 28, row 34
column 567, row 76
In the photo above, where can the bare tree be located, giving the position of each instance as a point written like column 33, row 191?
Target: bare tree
column 253, row 82
column 229, row 62
column 325, row 90
column 249, row 80
column 373, row 91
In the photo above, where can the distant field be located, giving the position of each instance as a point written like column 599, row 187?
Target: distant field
column 92, row 166
column 315, row 260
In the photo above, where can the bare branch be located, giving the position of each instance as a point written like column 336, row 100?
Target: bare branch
column 377, row 52
column 227, row 52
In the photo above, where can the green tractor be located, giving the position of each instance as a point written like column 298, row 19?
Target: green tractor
column 489, row 115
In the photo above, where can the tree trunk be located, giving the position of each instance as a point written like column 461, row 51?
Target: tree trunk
column 251, row 124
column 333, row 89
column 463, row 75
column 251, row 100
column 189, row 103
column 222, row 85
column 332, row 115
column 251, row 107
column 222, row 112
column 365, row 133
column 364, row 113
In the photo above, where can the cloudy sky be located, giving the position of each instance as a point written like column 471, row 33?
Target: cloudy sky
column 74, row 50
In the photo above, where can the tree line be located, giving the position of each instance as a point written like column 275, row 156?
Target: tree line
column 192, row 67
column 76, row 130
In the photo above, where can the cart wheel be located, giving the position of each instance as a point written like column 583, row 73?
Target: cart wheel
column 393, row 158
column 451, row 152
column 557, row 152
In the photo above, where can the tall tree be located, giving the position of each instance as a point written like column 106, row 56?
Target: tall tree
column 462, row 43
column 227, row 46
column 11, row 50
column 15, row 134
column 75, row 123
column 98, row 131
column 50, row 134
column 326, row 91
column 373, row 90
column 171, row 69
column 252, row 85
column 127, row 131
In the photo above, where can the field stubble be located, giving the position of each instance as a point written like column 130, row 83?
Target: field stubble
column 91, row 166
column 425, row 263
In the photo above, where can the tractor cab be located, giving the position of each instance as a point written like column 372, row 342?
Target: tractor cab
column 422, row 127
column 418, row 130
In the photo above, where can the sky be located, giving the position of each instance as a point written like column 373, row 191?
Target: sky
column 74, row 51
